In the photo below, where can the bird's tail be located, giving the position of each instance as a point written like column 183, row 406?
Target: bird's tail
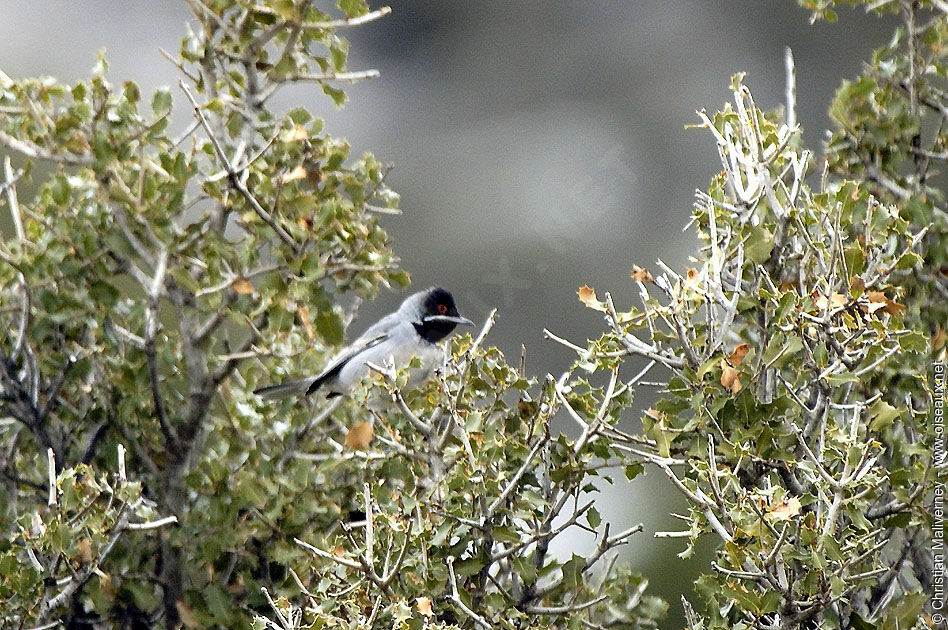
column 285, row 389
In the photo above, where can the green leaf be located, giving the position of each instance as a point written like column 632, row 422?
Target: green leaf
column 634, row 470
column 329, row 325
column 353, row 8
column 161, row 101
column 787, row 301
column 770, row 602
column 284, row 8
column 908, row 260
column 882, row 415
column 904, row 613
column 841, row 378
column 858, row 623
column 79, row 92
column 468, row 567
column 593, row 517
column 525, row 568
column 339, row 50
column 855, row 259
column 218, row 603
column 758, row 245
column 914, row 342
column 131, row 92
column 338, row 96
column 59, row 188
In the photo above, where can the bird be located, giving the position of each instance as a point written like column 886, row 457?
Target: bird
column 414, row 330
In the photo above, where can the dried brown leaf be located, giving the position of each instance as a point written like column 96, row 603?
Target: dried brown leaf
column 424, row 606
column 833, row 301
column 297, row 173
column 692, row 278
column 640, row 274
column 938, row 341
column 303, row 312
column 738, row 354
column 186, row 614
column 297, row 133
column 729, row 378
column 587, row 295
column 242, row 286
column 360, row 436
column 85, row 550
column 878, row 301
column 785, row 510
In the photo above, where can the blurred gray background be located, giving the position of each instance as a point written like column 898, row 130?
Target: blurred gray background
column 537, row 147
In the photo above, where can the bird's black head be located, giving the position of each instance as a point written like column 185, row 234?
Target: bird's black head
column 439, row 315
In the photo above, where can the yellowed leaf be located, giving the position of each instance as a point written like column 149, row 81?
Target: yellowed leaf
column 85, row 550
column 242, row 286
column 237, row 585
column 640, row 274
column 938, row 341
column 424, row 606
column 297, row 173
column 186, row 615
column 360, row 436
column 108, row 586
column 785, row 510
column 823, row 302
column 738, row 354
column 304, row 317
column 729, row 378
column 297, row 133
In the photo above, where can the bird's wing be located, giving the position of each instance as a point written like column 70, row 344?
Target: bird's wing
column 310, row 384
column 360, row 345
column 376, row 334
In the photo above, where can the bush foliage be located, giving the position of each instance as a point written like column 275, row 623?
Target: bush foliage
column 156, row 277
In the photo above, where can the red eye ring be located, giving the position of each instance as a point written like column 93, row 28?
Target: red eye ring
column 442, row 309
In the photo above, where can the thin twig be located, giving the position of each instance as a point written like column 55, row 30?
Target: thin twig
column 234, row 176
column 456, row 598
column 371, row 16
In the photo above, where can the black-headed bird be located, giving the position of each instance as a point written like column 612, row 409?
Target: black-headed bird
column 414, row 330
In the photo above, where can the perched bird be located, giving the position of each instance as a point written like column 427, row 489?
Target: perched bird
column 414, row 330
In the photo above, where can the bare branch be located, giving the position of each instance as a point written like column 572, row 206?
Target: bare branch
column 234, row 175
column 456, row 598
column 371, row 16
column 38, row 152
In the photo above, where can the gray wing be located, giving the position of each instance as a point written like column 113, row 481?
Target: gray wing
column 340, row 361
column 376, row 334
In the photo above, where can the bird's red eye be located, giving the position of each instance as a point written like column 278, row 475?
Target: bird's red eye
column 442, row 309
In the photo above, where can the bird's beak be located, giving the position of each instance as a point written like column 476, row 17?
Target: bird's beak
column 449, row 318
